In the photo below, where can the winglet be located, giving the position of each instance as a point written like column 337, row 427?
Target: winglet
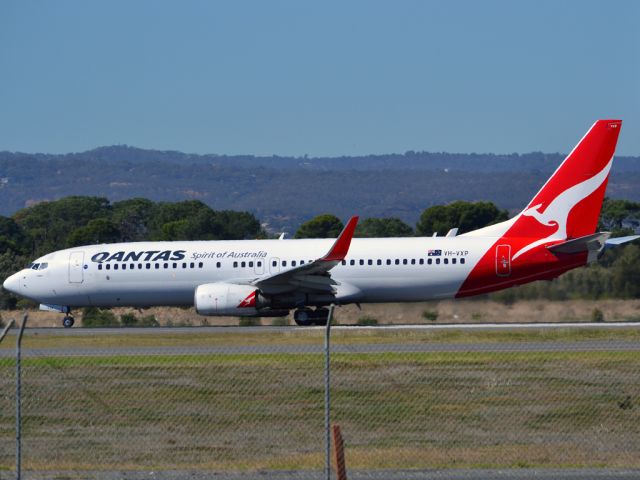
column 341, row 246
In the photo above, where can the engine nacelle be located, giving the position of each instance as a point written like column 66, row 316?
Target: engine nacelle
column 226, row 299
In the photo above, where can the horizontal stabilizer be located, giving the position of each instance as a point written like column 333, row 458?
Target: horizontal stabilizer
column 614, row 242
column 589, row 243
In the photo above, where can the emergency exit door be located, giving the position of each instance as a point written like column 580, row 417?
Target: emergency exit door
column 76, row 267
column 503, row 260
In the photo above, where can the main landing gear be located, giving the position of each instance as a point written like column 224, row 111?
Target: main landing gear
column 305, row 316
column 67, row 321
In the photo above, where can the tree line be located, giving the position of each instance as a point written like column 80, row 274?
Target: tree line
column 82, row 220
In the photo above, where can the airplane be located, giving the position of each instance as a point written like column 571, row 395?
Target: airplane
column 554, row 233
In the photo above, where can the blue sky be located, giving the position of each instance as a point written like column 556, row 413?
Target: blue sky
column 319, row 78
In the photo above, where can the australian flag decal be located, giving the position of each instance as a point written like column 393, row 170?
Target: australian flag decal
column 434, row 253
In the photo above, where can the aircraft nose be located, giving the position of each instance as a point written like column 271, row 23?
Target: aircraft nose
column 12, row 283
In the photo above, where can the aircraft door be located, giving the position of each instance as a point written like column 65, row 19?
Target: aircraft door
column 503, row 260
column 76, row 267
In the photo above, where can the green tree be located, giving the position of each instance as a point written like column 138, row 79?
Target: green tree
column 49, row 224
column 133, row 217
column 383, row 227
column 322, row 226
column 466, row 216
column 621, row 217
column 99, row 230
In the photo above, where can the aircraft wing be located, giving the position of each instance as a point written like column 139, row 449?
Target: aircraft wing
column 312, row 277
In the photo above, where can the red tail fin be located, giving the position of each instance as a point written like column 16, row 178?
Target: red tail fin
column 568, row 205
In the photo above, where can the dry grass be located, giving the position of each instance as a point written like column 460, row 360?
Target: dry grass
column 449, row 311
column 265, row 411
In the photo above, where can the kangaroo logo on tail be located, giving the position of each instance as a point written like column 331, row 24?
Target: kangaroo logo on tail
column 557, row 212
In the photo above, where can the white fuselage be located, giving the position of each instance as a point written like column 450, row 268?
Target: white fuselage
column 127, row 274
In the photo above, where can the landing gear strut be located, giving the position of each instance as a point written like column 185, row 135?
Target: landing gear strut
column 305, row 316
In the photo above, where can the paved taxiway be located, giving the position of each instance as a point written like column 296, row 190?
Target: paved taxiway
column 406, row 346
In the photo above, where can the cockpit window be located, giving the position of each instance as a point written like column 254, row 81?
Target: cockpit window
column 35, row 266
column 43, row 266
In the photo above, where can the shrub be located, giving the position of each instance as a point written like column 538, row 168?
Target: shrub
column 149, row 321
column 367, row 321
column 597, row 315
column 94, row 317
column 26, row 304
column 128, row 319
column 431, row 315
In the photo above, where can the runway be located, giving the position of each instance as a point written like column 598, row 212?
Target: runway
column 269, row 329
column 403, row 346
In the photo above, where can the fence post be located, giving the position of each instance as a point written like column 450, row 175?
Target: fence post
column 18, row 398
column 327, row 392
column 6, row 329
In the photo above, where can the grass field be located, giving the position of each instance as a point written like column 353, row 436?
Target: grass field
column 265, row 411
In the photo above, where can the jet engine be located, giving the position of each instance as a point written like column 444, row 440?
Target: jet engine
column 226, row 299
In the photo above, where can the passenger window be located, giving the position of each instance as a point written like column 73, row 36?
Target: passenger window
column 235, row 264
column 361, row 262
column 115, row 267
column 166, row 265
column 139, row 266
column 421, row 261
column 397, row 261
column 175, row 265
column 370, row 262
column 243, row 264
column 148, row 266
column 108, row 266
column 379, row 262
column 124, row 266
column 284, row 263
column 462, row 260
column 191, row 265
column 250, row 264
column 200, row 265
column 388, row 261
column 413, row 261
column 293, row 263
column 430, row 261
column 184, row 265
column 259, row 264
column 99, row 266
column 218, row 265
column 446, row 261
column 453, row 260
column 404, row 262
column 437, row 261
column 344, row 262
column 352, row 262
column 157, row 266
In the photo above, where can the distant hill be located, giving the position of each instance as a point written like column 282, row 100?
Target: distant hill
column 285, row 191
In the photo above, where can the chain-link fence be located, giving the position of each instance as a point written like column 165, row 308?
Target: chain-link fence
column 252, row 399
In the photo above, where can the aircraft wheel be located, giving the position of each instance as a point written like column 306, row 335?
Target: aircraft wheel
column 320, row 316
column 67, row 322
column 302, row 317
